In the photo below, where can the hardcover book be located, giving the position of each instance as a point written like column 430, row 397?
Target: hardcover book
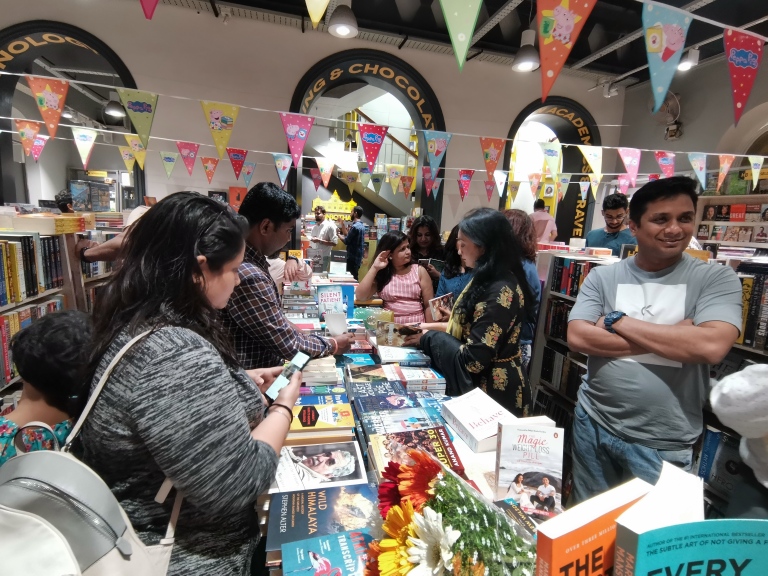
column 316, row 465
column 334, row 554
column 475, row 417
column 403, row 356
column 393, row 447
column 322, row 417
column 380, row 388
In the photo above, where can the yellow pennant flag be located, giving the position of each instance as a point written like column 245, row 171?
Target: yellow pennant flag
column 221, row 120
column 139, row 152
column 127, row 155
column 316, row 9
column 394, row 173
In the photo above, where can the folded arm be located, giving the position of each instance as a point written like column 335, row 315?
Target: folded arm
column 594, row 340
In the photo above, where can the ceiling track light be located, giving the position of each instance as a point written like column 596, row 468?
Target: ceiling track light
column 527, row 58
column 114, row 109
column 67, row 114
column 343, row 23
column 690, row 60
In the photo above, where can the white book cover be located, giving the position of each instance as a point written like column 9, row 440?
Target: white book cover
column 475, row 417
column 318, row 466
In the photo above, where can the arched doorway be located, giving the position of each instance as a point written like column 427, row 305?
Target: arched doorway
column 389, row 74
column 571, row 123
column 47, row 48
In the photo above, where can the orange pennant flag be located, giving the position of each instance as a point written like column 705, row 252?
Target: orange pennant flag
column 50, row 96
column 210, row 166
column 28, row 131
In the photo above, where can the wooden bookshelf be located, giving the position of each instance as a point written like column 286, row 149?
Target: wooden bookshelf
column 563, row 296
column 99, row 278
column 750, row 349
column 551, row 389
column 13, row 382
column 30, row 300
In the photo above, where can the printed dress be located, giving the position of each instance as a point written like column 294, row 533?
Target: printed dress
column 34, row 439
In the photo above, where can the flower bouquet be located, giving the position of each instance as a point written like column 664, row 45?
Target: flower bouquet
column 435, row 523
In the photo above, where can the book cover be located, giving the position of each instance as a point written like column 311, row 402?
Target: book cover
column 364, row 404
column 393, row 447
column 753, row 213
column 440, row 306
column 322, row 417
column 731, row 234
column 417, row 378
column 319, row 264
column 738, row 212
column 475, row 417
column 720, row 465
column 375, row 373
column 760, row 234
column 393, row 334
column 723, row 213
column 315, row 465
column 703, row 233
column 380, row 388
column 356, row 359
column 332, row 555
column 529, row 467
column 717, row 232
column 388, row 421
column 403, row 356
column 330, row 299
column 511, row 509
column 338, row 262
column 314, row 390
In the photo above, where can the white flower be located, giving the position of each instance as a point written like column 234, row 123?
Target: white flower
column 431, row 550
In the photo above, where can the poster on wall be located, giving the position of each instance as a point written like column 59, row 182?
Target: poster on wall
column 219, row 196
column 236, row 196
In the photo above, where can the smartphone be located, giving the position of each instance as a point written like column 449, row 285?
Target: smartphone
column 296, row 364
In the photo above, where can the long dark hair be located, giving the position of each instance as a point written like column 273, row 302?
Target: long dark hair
column 522, row 227
column 434, row 248
column 157, row 284
column 390, row 241
column 451, row 256
column 489, row 229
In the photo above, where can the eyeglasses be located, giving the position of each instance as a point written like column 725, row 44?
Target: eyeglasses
column 615, row 218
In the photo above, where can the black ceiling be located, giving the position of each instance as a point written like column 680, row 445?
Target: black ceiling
column 610, row 21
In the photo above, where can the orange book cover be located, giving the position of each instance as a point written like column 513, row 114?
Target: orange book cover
column 581, row 540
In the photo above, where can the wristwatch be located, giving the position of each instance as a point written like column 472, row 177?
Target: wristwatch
column 610, row 318
column 292, row 258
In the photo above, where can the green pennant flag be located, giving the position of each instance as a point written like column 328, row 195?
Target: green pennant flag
column 141, row 107
column 461, row 18
column 169, row 161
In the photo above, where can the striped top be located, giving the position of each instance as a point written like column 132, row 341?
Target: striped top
column 402, row 295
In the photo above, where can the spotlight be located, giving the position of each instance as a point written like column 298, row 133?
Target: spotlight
column 67, row 114
column 527, row 58
column 690, row 60
column 343, row 23
column 114, row 109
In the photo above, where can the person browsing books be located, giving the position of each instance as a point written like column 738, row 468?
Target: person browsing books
column 354, row 238
column 179, row 405
column 253, row 317
column 650, row 326
column 424, row 239
column 405, row 287
column 51, row 356
column 616, row 233
column 545, row 495
column 481, row 347
column 543, row 222
column 109, row 251
column 323, row 233
column 454, row 277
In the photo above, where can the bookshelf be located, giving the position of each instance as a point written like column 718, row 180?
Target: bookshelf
column 705, row 202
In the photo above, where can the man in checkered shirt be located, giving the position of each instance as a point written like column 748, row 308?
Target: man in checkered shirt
column 253, row 317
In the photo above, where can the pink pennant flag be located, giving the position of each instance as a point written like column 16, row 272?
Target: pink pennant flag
column 534, row 179
column 426, row 176
column 725, row 164
column 631, row 159
column 372, row 137
column 297, row 128
column 624, row 182
column 490, row 186
column 37, row 147
column 465, row 180
column 744, row 53
column 492, row 151
column 236, row 158
column 436, row 186
column 188, row 151
column 209, row 164
column 317, row 178
column 666, row 162
column 407, row 182
column 149, row 8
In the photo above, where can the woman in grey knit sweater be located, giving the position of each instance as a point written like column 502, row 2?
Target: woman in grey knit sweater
column 177, row 405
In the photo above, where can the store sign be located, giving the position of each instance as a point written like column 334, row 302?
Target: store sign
column 21, row 45
column 97, row 173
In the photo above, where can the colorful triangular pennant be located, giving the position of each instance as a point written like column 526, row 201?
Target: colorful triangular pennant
column 552, row 155
column 377, row 179
column 50, row 96
column 584, row 189
column 394, row 173
column 128, row 158
column 317, row 179
column 372, row 137
column 624, row 182
column 407, row 182
column 744, row 53
column 149, row 8
column 490, row 186
column 698, row 161
column 297, row 128
column 725, row 164
column 248, row 169
column 139, row 152
column 236, row 158
column 594, row 181
column 666, row 161
column 437, row 144
column 316, row 9
column 501, row 180
column 465, row 180
column 436, row 186
column 326, row 169
column 594, row 156
column 85, row 138
column 141, row 107
column 169, row 161
column 221, row 120
column 461, row 17
column 493, row 148
column 756, row 164
column 563, row 181
column 631, row 159
column 188, row 151
column 534, row 179
column 37, row 147
column 365, row 173
column 283, row 166
column 209, row 165
column 28, row 131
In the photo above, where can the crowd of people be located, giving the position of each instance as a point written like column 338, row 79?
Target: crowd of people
column 187, row 402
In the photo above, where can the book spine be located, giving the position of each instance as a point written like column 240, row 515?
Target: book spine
column 762, row 322
column 708, row 451
column 17, row 260
column 625, row 552
column 544, row 550
column 754, row 310
column 34, row 289
column 460, row 429
column 57, row 250
column 5, row 337
column 747, row 286
column 48, row 262
column 557, row 271
column 3, row 278
column 564, row 276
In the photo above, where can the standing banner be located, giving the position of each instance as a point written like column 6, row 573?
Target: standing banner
column 326, row 169
column 377, row 179
column 236, row 158
column 490, row 186
column 666, row 161
column 221, row 120
column 725, row 164
column 698, row 161
column 188, row 151
column 631, row 159
column 394, row 173
column 461, row 17
column 665, row 31
column 283, row 166
column 624, row 182
column 372, row 137
column 296, row 128
column 756, row 163
column 436, row 186
column 39, row 144
column 534, row 180
column 493, row 148
column 744, row 53
column 209, row 164
column 248, row 169
column 169, row 161
column 317, row 179
column 552, row 157
column 137, row 148
column 50, row 96
column 407, row 182
column 141, row 107
column 128, row 158
column 560, row 23
column 437, row 143
column 465, row 180
column 501, row 180
column 365, row 173
column 316, row 9
column 85, row 138
column 28, row 131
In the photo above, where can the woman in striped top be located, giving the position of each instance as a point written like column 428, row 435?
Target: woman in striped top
column 405, row 287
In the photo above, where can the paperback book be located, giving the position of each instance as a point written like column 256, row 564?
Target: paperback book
column 388, row 421
column 375, row 373
column 381, row 388
column 440, row 306
column 334, row 554
column 403, row 356
column 320, row 417
column 316, row 465
column 310, row 399
column 393, row 447
column 393, row 334
column 475, row 417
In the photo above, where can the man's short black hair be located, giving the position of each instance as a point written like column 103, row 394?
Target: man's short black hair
column 615, row 202
column 539, row 204
column 267, row 200
column 661, row 189
column 319, row 209
column 358, row 210
column 51, row 355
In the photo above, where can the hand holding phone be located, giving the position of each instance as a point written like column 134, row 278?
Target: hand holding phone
column 295, row 365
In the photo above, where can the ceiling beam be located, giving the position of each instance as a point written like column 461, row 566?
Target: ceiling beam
column 501, row 13
column 631, row 37
column 84, row 90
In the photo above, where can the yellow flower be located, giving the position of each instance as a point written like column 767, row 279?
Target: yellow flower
column 505, row 297
column 491, row 336
column 393, row 560
column 398, row 521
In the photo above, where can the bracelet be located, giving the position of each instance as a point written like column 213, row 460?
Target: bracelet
column 82, row 255
column 284, row 407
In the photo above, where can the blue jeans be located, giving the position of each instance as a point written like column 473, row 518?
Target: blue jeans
column 602, row 461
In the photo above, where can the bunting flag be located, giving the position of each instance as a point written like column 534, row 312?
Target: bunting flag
column 501, row 180
column 372, row 137
column 465, row 180
column 296, row 128
column 552, row 156
column 461, row 17
column 236, row 157
column 407, row 182
column 316, row 9
column 513, row 189
column 365, row 173
column 666, row 161
column 560, row 23
column 37, row 147
column 350, row 179
column 326, row 169
column 594, row 156
column 426, row 177
column 28, row 131
column 436, row 186
column 744, row 53
column 283, row 166
column 631, row 159
column 317, row 179
column 624, row 182
column 493, row 148
column 584, row 188
column 725, row 164
column 137, row 148
column 221, row 120
column 594, row 181
column 665, row 31
column 394, row 173
column 169, row 161
column 563, row 181
column 490, row 186
column 534, row 179
column 85, row 138
column 437, row 144
column 209, row 164
column 50, row 96
column 698, row 161
column 128, row 158
column 188, row 151
column 756, row 164
column 377, row 179
column 149, row 8
column 248, row 169
column 140, row 107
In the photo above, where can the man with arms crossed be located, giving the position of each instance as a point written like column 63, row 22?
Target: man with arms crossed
column 651, row 325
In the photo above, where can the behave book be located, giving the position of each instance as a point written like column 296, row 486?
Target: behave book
column 475, row 417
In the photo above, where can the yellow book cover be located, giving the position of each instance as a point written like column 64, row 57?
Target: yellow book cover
column 747, row 285
column 14, row 251
column 7, row 272
column 322, row 417
column 296, row 254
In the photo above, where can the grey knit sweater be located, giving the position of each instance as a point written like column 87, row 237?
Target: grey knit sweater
column 173, row 408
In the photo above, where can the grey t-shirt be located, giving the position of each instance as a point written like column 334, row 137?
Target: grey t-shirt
column 648, row 399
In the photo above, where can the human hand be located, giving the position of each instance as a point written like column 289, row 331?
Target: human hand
column 444, row 313
column 290, row 393
column 291, row 271
column 413, row 340
column 84, row 243
column 600, row 322
column 433, row 272
column 264, row 377
column 685, row 322
column 343, row 342
column 382, row 260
